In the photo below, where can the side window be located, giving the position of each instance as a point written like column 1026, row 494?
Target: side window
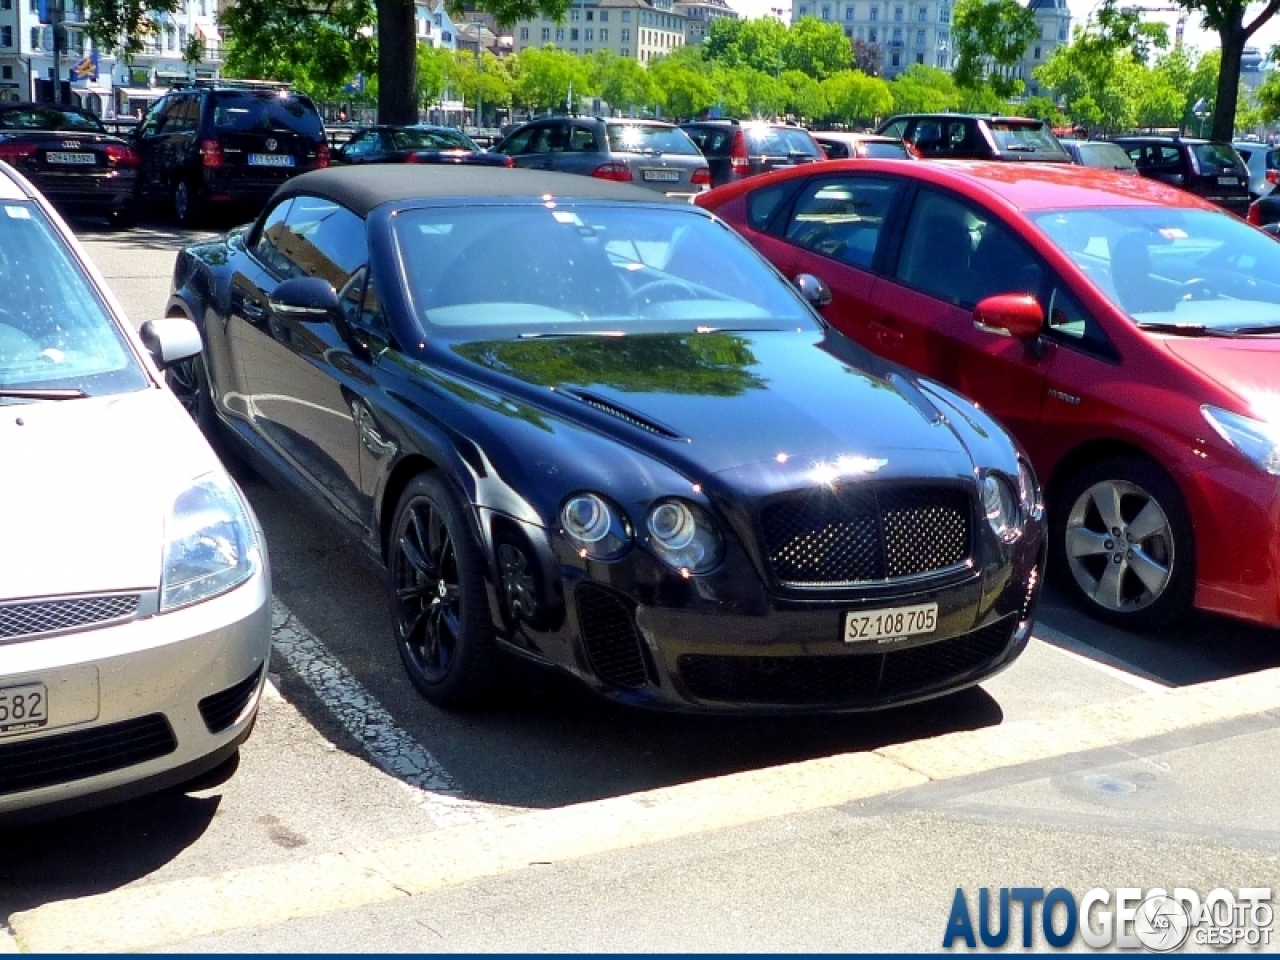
column 541, row 140
column 896, row 129
column 699, row 136
column 351, row 296
column 155, row 117
column 959, row 254
column 763, row 203
column 323, row 239
column 361, row 145
column 835, row 149
column 371, row 317
column 583, row 140
column 557, row 137
column 843, row 217
column 1069, row 322
column 266, row 246
column 518, row 142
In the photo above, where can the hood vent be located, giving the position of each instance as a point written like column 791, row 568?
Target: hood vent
column 622, row 413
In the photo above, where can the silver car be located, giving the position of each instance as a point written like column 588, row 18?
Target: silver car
column 648, row 153
column 1263, row 161
column 134, row 587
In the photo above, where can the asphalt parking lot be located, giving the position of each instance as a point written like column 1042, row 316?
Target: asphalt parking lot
column 346, row 753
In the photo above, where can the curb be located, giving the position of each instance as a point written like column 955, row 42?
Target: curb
column 151, row 916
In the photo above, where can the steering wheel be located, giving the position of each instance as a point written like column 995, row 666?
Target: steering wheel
column 1197, row 288
column 679, row 286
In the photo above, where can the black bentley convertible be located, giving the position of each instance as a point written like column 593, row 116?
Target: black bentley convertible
column 591, row 428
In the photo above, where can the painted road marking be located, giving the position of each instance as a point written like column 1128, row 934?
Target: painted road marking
column 154, row 915
column 365, row 719
column 1081, row 652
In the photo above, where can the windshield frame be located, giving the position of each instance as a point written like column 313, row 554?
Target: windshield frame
column 422, row 328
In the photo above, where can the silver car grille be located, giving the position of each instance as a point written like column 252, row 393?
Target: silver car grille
column 31, row 618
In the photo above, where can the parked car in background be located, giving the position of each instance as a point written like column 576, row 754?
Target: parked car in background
column 1207, row 168
column 1264, row 211
column 735, row 150
column 1100, row 154
column 68, row 154
column 592, row 428
column 646, row 152
column 135, row 621
column 1263, row 162
column 222, row 144
column 839, row 145
column 951, row 136
column 1128, row 333
column 417, row 144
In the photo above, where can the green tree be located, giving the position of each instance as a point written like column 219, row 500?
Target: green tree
column 544, row 78
column 765, row 94
column 991, row 37
column 1042, row 108
column 480, row 80
column 804, row 95
column 681, row 89
column 1227, row 18
column 758, row 44
column 867, row 57
column 623, row 83
column 852, row 96
column 922, row 89
column 1157, row 101
column 434, row 65
column 816, row 48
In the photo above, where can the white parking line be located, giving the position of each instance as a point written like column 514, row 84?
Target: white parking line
column 1114, row 667
column 365, row 719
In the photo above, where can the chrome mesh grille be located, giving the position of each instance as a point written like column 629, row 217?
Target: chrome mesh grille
column 859, row 534
column 33, row 617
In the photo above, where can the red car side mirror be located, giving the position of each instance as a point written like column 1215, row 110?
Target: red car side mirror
column 1010, row 315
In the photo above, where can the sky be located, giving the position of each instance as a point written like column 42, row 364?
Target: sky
column 1194, row 36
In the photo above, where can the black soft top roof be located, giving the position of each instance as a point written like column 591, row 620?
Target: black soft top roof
column 362, row 188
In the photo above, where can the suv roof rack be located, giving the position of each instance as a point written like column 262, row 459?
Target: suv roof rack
column 208, row 83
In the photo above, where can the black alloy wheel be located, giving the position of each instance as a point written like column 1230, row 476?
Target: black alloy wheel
column 189, row 381
column 186, row 204
column 435, row 576
column 1123, row 544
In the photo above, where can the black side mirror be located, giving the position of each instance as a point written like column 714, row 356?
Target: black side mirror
column 813, row 289
column 306, row 298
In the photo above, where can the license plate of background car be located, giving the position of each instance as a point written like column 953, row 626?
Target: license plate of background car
column 890, row 623
column 270, row 160
column 24, row 706
column 1229, row 181
column 667, row 176
column 57, row 156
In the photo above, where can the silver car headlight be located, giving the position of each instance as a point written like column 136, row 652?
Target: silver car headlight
column 1001, row 508
column 684, row 536
column 1258, row 440
column 1029, row 494
column 595, row 528
column 210, row 544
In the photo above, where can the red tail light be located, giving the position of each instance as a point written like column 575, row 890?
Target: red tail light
column 123, row 156
column 1273, row 176
column 739, row 159
column 16, row 152
column 1255, row 215
column 322, row 155
column 613, row 171
column 912, row 152
column 508, row 161
column 701, row 177
column 413, row 158
column 211, row 153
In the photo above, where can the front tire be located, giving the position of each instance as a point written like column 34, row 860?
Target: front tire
column 436, row 585
column 1124, row 545
column 186, row 202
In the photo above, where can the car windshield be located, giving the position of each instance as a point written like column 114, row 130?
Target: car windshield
column 48, row 118
column 565, row 269
column 431, row 140
column 781, row 142
column 1108, row 156
column 55, row 331
column 1193, row 272
column 1024, row 137
column 1214, row 158
column 649, row 138
column 266, row 112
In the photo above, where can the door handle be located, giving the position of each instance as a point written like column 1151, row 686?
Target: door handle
column 252, row 312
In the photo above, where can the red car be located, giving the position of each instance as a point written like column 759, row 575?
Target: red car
column 1127, row 332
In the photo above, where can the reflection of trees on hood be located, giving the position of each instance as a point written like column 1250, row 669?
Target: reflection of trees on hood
column 705, row 364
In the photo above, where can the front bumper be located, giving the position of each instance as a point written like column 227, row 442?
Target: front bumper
column 137, row 706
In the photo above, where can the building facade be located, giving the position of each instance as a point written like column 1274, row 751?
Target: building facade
column 906, row 31
column 700, row 14
column 435, row 27
column 640, row 29
column 1053, row 21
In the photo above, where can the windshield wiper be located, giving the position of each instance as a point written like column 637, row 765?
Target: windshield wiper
column 570, row 333
column 1021, row 148
column 1250, row 331
column 36, row 393
column 1185, row 329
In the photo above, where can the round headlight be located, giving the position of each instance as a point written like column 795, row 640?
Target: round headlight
column 593, row 527
column 1029, row 491
column 999, row 506
column 684, row 536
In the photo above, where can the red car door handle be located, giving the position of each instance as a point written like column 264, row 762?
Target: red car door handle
column 887, row 332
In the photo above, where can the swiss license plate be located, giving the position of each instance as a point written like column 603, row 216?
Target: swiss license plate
column 891, row 623
column 23, row 707
column 1229, row 181
column 665, row 176
column 270, row 160
column 58, row 156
